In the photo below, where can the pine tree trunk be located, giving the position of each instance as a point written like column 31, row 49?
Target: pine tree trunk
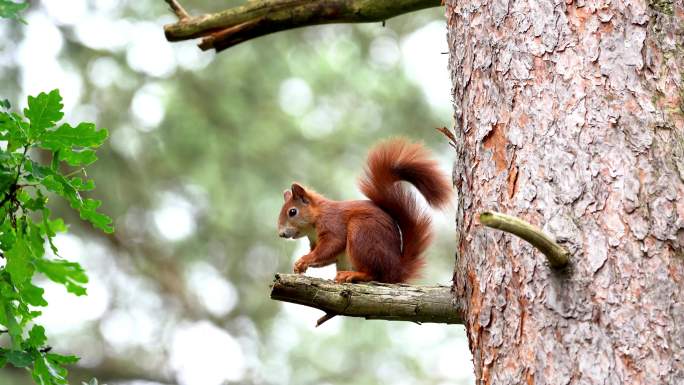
column 570, row 116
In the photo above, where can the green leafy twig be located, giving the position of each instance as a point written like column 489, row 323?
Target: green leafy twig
column 11, row 10
column 23, row 238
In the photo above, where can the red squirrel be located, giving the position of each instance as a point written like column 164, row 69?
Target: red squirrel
column 383, row 237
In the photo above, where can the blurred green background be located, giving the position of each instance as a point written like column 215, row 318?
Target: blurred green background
column 201, row 148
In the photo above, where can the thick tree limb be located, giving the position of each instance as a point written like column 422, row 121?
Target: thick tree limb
column 556, row 254
column 394, row 302
column 256, row 18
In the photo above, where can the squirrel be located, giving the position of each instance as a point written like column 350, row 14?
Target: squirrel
column 383, row 237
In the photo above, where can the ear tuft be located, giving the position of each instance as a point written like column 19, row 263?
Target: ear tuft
column 287, row 194
column 299, row 193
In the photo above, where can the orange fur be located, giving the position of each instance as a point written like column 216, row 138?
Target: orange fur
column 368, row 230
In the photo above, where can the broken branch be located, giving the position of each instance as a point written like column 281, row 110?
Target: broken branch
column 393, row 302
column 556, row 254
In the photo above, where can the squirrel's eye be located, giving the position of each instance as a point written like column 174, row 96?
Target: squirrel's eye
column 292, row 212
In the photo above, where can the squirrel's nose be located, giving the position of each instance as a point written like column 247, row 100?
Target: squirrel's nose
column 282, row 234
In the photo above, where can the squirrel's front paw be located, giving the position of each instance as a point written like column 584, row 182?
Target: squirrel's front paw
column 300, row 266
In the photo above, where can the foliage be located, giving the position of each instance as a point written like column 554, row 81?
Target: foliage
column 11, row 10
column 26, row 226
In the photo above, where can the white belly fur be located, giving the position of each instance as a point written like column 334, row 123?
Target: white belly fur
column 343, row 263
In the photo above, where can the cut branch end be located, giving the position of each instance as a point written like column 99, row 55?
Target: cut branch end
column 557, row 255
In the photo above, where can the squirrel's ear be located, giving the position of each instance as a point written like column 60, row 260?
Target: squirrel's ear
column 298, row 192
column 287, row 194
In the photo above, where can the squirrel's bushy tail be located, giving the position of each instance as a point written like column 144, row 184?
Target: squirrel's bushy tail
column 398, row 160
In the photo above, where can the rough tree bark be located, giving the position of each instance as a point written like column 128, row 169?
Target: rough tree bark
column 570, row 115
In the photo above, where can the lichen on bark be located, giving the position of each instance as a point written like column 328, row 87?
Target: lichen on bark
column 662, row 6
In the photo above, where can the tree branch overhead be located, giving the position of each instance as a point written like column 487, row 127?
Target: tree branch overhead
column 257, row 18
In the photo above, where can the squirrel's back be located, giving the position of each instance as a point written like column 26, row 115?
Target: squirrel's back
column 398, row 160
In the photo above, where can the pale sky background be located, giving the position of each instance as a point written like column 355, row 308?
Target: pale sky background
column 147, row 51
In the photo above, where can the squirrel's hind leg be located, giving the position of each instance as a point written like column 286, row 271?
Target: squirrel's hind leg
column 352, row 276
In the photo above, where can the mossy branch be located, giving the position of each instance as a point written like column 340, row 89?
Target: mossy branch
column 256, row 18
column 394, row 302
column 557, row 255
